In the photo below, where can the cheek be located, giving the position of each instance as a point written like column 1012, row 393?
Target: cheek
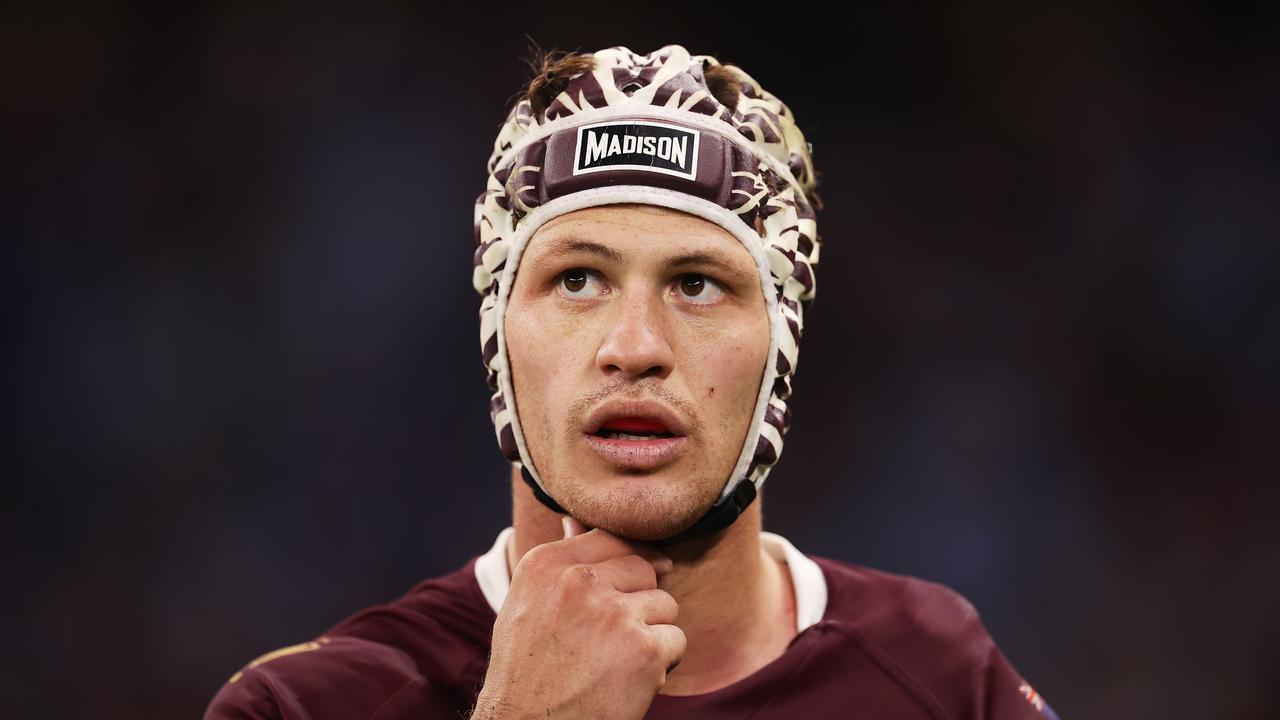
column 527, row 361
column 726, row 368
column 541, row 351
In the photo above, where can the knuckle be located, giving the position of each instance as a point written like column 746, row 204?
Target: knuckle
column 613, row 619
column 617, row 605
column 578, row 577
column 640, row 566
column 615, row 613
column 668, row 606
column 646, row 645
column 538, row 557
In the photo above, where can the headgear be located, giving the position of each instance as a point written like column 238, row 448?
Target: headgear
column 648, row 129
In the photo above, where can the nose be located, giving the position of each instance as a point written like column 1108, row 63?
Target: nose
column 635, row 344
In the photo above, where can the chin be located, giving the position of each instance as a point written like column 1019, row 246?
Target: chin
column 638, row 508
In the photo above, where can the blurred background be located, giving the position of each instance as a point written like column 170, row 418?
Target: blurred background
column 243, row 394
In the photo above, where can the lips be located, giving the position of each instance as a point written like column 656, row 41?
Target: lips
column 630, row 454
column 633, row 428
column 635, row 435
column 637, row 417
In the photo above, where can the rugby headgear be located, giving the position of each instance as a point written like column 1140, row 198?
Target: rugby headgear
column 648, row 129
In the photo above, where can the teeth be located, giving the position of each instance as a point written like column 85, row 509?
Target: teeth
column 613, row 434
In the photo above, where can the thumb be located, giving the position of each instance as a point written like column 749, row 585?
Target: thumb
column 572, row 527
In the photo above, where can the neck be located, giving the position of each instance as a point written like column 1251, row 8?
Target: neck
column 737, row 606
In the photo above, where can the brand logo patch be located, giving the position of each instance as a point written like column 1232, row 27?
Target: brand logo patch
column 637, row 145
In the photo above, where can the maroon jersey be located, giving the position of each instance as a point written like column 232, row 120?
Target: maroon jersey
column 878, row 645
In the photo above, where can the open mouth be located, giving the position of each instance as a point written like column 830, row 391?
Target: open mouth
column 619, row 435
column 636, row 443
column 634, row 429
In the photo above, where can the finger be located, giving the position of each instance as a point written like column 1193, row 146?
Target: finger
column 629, row 573
column 661, row 562
column 572, row 527
column 599, row 545
column 657, row 562
column 671, row 644
column 654, row 607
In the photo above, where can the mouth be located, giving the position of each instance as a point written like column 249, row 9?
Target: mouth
column 633, row 429
column 636, row 443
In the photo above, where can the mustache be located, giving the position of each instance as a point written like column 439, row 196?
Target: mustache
column 648, row 388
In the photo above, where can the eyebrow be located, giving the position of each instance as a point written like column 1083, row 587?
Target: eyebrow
column 570, row 245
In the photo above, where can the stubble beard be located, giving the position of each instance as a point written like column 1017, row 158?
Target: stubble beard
column 644, row 509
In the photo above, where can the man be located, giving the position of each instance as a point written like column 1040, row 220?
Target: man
column 645, row 254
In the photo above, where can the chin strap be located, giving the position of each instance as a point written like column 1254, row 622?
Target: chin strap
column 538, row 492
column 720, row 516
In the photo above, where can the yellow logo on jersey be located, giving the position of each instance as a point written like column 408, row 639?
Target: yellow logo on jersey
column 290, row 650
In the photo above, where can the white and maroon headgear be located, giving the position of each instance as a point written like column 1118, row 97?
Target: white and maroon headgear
column 647, row 129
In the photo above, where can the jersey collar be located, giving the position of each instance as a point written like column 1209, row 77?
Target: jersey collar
column 807, row 579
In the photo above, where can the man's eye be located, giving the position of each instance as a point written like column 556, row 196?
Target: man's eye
column 580, row 283
column 700, row 288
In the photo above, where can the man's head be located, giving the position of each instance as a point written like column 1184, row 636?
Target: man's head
column 627, row 313
column 625, row 191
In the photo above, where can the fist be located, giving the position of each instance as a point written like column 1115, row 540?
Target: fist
column 584, row 631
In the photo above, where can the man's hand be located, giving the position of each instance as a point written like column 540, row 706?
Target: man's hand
column 584, row 632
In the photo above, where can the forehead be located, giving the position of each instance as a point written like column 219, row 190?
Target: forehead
column 638, row 233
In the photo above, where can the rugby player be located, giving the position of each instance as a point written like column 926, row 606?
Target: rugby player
column 645, row 252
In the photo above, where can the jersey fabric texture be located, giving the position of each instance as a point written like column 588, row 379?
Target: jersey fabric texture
column 870, row 644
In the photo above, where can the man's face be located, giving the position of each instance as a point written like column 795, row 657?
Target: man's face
column 628, row 323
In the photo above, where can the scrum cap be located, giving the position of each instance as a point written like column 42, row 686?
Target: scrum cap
column 650, row 129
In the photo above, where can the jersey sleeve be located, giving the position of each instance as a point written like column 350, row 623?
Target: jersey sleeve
column 248, row 698
column 957, row 660
column 1008, row 695
column 325, row 677
column 998, row 691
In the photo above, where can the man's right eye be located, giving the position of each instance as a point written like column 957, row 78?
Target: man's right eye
column 580, row 283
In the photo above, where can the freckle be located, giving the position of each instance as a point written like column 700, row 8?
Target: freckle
column 711, row 392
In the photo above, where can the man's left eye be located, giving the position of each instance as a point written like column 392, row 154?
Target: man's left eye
column 700, row 288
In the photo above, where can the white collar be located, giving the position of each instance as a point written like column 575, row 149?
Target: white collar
column 806, row 577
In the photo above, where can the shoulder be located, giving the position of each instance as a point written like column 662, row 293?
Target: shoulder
column 931, row 639
column 925, row 627
column 326, row 673
column 890, row 604
column 430, row 643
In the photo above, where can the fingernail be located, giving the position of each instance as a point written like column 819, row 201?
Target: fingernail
column 564, row 523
